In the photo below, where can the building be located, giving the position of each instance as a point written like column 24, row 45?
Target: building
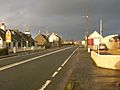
column 26, row 40
column 94, row 39
column 112, row 41
column 3, row 26
column 41, row 40
column 2, row 38
column 18, row 39
column 54, row 40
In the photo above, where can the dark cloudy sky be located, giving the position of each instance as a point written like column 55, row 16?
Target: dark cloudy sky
column 64, row 17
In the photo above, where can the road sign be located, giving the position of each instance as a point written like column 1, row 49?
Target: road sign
column 8, row 36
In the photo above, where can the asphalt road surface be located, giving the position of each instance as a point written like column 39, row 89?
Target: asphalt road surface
column 44, row 70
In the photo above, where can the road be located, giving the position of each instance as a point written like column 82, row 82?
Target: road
column 36, row 71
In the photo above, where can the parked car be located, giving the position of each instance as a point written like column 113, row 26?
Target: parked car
column 102, row 46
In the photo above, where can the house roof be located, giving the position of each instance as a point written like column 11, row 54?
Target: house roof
column 40, row 39
column 25, row 37
column 17, row 36
column 116, row 38
column 119, row 35
column 2, row 34
column 95, row 34
column 39, row 34
column 109, row 38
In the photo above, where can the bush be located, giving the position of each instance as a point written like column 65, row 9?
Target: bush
column 3, row 51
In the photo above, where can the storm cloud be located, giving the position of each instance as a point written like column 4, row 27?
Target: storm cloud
column 64, row 17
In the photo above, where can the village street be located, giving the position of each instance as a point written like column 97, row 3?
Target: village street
column 55, row 69
column 32, row 71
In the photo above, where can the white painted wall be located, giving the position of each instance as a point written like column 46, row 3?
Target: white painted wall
column 1, row 42
column 53, row 38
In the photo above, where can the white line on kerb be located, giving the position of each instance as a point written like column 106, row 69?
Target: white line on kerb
column 59, row 68
column 68, row 58
column 28, row 60
column 45, row 85
column 56, row 72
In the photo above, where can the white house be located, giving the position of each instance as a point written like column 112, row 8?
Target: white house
column 96, row 37
column 110, row 42
column 54, row 39
column 1, row 42
column 3, row 26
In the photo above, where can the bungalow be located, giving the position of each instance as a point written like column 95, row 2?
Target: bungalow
column 18, row 39
column 112, row 41
column 28, row 41
column 94, row 39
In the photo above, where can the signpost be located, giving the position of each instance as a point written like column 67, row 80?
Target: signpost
column 97, row 42
column 8, row 36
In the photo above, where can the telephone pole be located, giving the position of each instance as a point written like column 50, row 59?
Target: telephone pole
column 101, row 26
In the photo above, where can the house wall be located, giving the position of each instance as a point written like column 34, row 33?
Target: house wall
column 1, row 42
column 113, row 45
column 11, row 45
column 4, row 43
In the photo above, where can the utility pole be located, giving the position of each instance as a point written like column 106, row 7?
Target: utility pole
column 46, row 32
column 101, row 26
column 86, row 27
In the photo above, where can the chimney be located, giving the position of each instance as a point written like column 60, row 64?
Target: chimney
column 3, row 26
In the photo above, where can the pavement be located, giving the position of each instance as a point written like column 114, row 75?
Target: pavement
column 87, row 76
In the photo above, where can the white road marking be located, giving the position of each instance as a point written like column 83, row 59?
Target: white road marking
column 45, row 85
column 2, row 59
column 68, row 58
column 31, row 59
column 54, row 74
column 64, row 62
column 59, row 68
